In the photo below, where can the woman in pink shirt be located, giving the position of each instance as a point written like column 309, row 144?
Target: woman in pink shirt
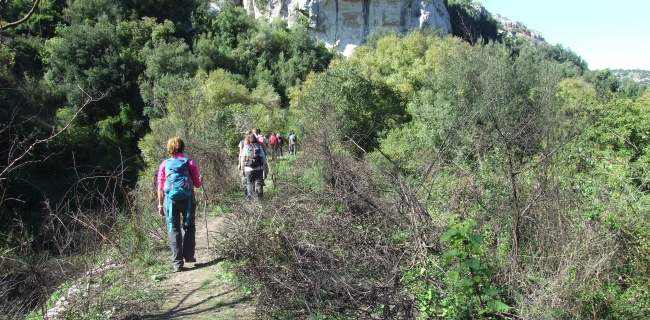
column 177, row 178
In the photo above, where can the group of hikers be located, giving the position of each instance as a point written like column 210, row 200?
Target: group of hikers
column 253, row 159
column 178, row 176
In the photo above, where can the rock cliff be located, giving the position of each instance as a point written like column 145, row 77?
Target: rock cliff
column 511, row 29
column 345, row 24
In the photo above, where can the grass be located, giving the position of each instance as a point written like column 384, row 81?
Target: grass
column 219, row 210
column 60, row 292
column 206, row 283
column 226, row 271
column 98, row 296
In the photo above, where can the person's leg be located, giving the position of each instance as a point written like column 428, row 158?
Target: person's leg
column 174, row 233
column 250, row 183
column 259, row 182
column 244, row 184
column 189, row 237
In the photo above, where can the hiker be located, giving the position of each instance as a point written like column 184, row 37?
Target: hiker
column 280, row 142
column 260, row 138
column 264, row 143
column 273, row 140
column 242, row 142
column 241, row 146
column 292, row 143
column 177, row 178
column 254, row 165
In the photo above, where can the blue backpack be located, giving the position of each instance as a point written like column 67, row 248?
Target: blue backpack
column 178, row 182
column 178, row 186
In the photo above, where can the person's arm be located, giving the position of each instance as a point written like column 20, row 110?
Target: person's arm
column 266, row 164
column 239, row 159
column 161, row 193
column 241, row 148
column 242, row 156
column 196, row 176
column 161, row 201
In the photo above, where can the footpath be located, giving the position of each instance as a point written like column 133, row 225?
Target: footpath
column 201, row 291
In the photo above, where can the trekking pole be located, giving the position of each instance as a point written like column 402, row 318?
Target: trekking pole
column 205, row 213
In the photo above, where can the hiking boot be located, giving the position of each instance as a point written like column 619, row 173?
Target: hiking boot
column 178, row 269
column 190, row 259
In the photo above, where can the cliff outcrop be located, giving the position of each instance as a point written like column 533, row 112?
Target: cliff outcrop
column 345, row 24
column 509, row 28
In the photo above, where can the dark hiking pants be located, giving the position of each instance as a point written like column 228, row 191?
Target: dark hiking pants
column 181, row 241
column 254, row 180
column 276, row 151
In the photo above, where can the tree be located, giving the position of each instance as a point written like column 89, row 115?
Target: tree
column 471, row 25
column 20, row 152
column 604, row 81
column 348, row 109
column 93, row 56
column 18, row 22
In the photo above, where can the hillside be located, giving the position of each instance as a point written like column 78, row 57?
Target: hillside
column 436, row 176
column 638, row 76
column 509, row 28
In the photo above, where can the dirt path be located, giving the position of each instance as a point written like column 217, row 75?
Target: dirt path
column 200, row 291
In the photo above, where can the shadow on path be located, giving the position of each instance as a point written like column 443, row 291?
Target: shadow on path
column 208, row 264
column 205, row 307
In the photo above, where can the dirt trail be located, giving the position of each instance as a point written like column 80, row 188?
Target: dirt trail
column 198, row 292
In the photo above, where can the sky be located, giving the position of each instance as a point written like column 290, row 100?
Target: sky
column 606, row 34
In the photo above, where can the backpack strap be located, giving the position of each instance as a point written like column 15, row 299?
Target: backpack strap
column 170, row 207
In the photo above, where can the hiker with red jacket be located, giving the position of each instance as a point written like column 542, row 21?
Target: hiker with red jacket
column 280, row 143
column 177, row 178
column 273, row 141
column 264, row 143
column 260, row 138
column 253, row 164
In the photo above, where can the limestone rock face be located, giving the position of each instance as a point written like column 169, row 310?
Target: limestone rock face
column 345, row 24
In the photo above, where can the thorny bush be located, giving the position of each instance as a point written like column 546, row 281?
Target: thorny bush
column 66, row 248
column 335, row 252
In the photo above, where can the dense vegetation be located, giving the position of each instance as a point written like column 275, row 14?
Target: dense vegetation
column 639, row 76
column 633, row 82
column 438, row 176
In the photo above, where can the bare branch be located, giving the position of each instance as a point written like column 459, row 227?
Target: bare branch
column 20, row 160
column 25, row 18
